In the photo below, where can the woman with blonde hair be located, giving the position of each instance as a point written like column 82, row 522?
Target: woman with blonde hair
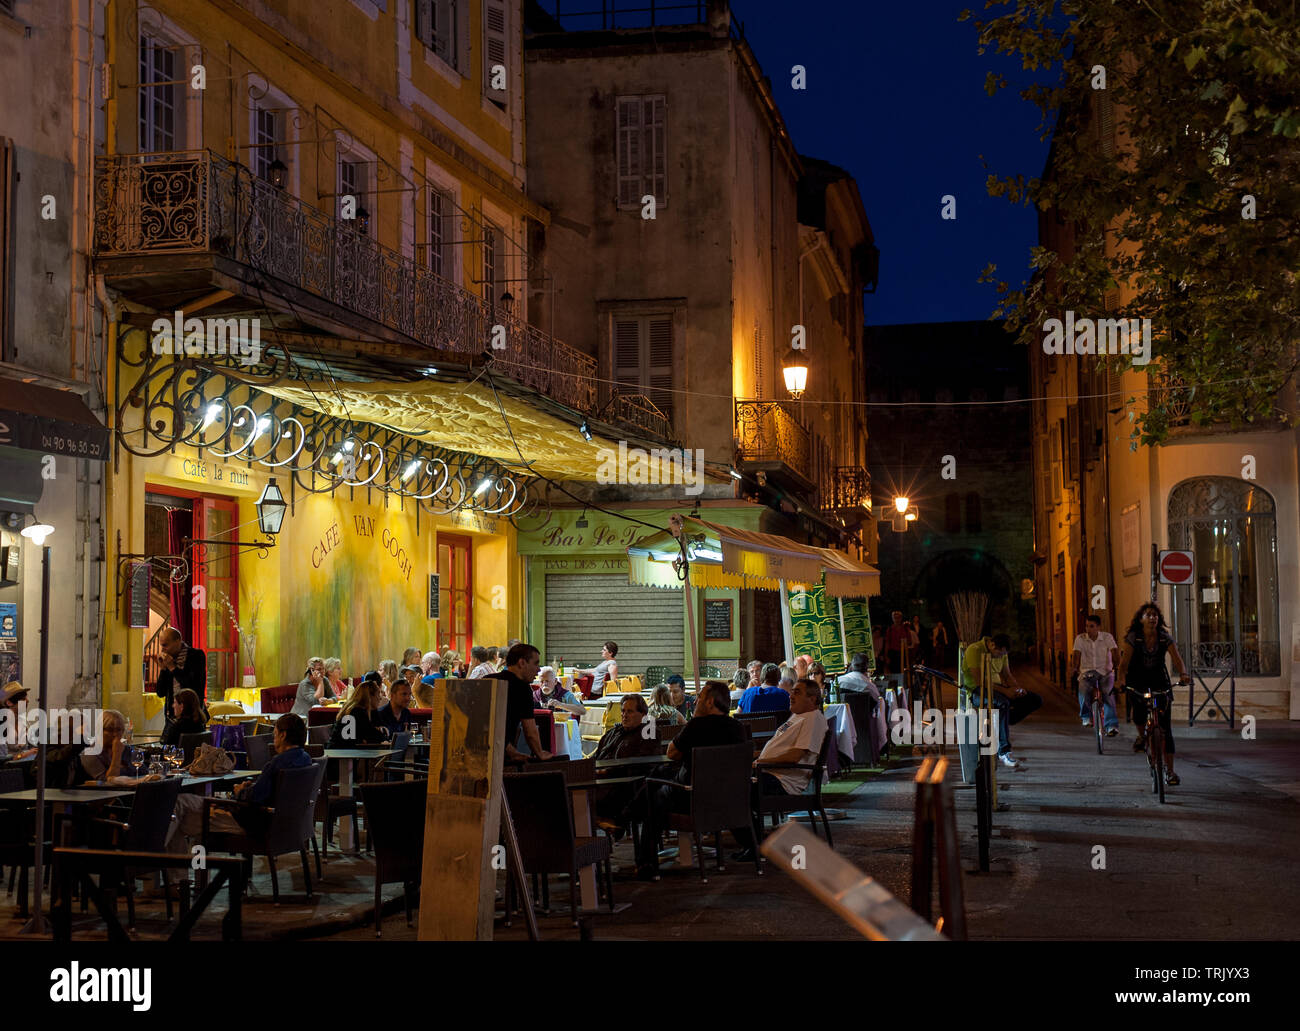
column 388, row 670
column 661, row 708
column 355, row 725
column 450, row 663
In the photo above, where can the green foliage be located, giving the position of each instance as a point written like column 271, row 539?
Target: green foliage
column 1204, row 97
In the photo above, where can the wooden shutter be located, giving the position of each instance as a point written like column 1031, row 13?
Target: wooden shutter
column 6, row 201
column 494, row 46
column 1104, row 114
column 444, row 31
column 629, row 152
column 424, row 22
column 627, row 355
column 1072, row 441
column 659, row 363
column 653, row 131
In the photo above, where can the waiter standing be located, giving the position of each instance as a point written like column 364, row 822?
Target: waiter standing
column 182, row 666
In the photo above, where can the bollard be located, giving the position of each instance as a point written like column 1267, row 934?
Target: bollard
column 983, row 809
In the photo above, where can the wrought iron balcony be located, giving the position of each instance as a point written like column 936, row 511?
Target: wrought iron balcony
column 769, row 439
column 639, row 411
column 189, row 203
column 847, row 488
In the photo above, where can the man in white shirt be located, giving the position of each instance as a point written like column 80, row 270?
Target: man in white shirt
column 1095, row 651
column 798, row 740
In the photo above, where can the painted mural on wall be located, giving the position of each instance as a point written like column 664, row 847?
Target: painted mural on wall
column 352, row 584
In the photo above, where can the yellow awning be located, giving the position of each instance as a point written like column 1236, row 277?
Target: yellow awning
column 465, row 417
column 729, row 557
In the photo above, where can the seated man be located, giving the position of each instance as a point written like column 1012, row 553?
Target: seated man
column 799, row 740
column 290, row 754
column 682, row 702
column 709, row 726
column 395, row 714
column 1009, row 709
column 858, row 679
column 627, row 738
column 769, row 696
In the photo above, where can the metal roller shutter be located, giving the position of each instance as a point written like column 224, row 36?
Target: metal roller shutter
column 584, row 611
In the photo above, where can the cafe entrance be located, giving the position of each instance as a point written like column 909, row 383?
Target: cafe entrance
column 201, row 597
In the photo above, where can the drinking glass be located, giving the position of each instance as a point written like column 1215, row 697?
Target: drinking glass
column 137, row 759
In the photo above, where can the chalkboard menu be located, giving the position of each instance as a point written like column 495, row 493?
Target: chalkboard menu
column 717, row 619
column 434, row 597
column 139, row 598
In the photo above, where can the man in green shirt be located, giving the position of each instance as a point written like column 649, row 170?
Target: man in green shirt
column 1010, row 708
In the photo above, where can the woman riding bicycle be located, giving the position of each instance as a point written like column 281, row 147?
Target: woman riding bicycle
column 1142, row 667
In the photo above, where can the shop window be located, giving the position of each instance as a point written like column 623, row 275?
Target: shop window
column 455, row 593
column 1230, row 615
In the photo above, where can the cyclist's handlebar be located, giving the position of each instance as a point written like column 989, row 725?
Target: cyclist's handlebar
column 1156, row 690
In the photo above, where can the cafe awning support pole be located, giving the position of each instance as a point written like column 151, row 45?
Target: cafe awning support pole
column 37, row 924
column 683, row 564
column 787, row 629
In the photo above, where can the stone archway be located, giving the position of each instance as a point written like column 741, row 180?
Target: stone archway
column 970, row 569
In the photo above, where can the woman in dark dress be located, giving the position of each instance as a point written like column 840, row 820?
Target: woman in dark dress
column 1142, row 668
column 355, row 726
column 186, row 717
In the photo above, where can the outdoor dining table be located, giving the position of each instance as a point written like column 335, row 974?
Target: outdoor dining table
column 567, row 738
column 63, row 799
column 347, row 758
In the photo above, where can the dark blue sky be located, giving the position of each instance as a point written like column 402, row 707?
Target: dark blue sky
column 895, row 95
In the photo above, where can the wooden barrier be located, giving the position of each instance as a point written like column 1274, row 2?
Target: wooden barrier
column 934, row 839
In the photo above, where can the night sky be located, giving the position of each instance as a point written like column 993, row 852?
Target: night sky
column 895, row 95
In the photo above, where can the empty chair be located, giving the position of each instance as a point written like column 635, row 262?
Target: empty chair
column 145, row 830
column 260, row 748
column 395, row 824
column 543, row 821
column 656, row 675
column 290, row 827
column 190, row 744
column 320, row 734
column 718, row 797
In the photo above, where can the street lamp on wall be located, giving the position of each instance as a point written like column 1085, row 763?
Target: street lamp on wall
column 794, row 367
column 271, row 508
column 279, row 172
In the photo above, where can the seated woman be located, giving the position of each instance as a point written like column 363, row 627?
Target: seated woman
column 186, row 717
column 313, row 688
column 334, row 675
column 356, row 725
column 451, row 664
column 550, row 694
column 661, row 708
column 817, row 673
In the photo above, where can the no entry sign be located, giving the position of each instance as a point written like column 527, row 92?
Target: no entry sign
column 1175, row 567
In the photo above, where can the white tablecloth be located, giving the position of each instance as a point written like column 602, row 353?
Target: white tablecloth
column 841, row 724
column 567, row 739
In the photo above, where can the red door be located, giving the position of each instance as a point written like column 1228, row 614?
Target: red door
column 216, row 570
column 455, row 594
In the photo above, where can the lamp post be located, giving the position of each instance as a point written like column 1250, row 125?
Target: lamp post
column 794, row 368
column 38, row 924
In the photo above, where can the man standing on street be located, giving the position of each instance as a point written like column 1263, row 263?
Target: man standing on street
column 182, row 666
column 1095, row 651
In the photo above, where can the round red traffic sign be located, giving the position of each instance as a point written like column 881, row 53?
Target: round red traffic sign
column 1176, row 567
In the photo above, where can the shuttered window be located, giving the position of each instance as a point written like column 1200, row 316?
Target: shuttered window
column 438, row 27
column 643, row 358
column 642, row 150
column 1054, row 459
column 583, row 611
column 494, row 48
column 1104, row 121
column 491, row 262
column 266, row 138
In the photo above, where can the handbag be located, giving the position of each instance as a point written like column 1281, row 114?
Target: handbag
column 211, row 761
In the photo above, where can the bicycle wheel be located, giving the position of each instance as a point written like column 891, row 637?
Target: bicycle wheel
column 1156, row 756
column 1098, row 711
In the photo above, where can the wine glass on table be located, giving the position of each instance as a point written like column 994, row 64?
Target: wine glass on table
column 137, row 759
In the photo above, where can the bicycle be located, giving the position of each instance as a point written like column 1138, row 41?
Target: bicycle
column 1098, row 706
column 1155, row 737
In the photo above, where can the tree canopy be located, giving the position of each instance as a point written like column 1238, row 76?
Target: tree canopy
column 1192, row 201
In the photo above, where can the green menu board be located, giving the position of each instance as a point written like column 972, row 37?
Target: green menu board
column 857, row 628
column 815, row 627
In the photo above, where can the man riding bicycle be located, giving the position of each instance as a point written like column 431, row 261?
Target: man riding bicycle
column 1095, row 652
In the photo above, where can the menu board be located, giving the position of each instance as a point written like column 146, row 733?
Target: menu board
column 139, row 594
column 434, row 597
column 815, row 627
column 717, row 619
column 857, row 629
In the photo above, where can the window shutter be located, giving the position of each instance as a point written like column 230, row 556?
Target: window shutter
column 1105, row 122
column 659, row 364
column 1072, row 441
column 629, row 152
column 424, row 22
column 444, row 31
column 494, row 46
column 656, row 163
column 627, row 355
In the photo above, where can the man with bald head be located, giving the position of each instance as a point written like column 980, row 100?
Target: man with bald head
column 182, row 666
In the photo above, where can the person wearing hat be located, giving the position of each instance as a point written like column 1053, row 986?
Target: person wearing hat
column 11, row 695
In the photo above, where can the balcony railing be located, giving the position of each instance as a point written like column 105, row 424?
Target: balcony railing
column 848, row 487
column 186, row 202
column 766, row 432
column 639, row 411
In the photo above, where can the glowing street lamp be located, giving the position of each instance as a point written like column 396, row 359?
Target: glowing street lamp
column 795, row 370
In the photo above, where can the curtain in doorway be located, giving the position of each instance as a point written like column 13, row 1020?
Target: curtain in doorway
column 180, row 525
